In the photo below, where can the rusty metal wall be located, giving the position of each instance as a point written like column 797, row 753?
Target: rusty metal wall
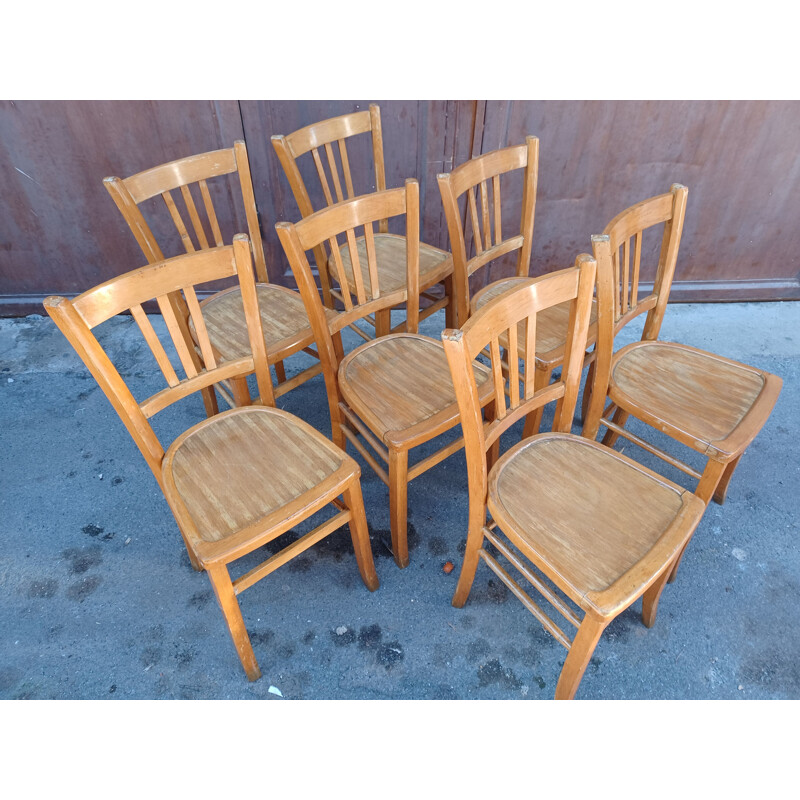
column 61, row 233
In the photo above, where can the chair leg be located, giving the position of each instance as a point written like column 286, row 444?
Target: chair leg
column 450, row 310
column 587, row 391
column 226, row 597
column 577, row 660
column 722, row 486
column 359, row 532
column 280, row 372
column 241, row 394
column 469, row 566
column 493, row 453
column 398, row 505
column 705, row 490
column 541, row 379
column 383, row 322
column 651, row 597
column 210, row 401
column 620, row 418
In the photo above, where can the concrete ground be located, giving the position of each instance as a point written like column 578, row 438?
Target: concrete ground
column 99, row 600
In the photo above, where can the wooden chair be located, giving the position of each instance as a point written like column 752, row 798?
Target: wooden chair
column 283, row 317
column 603, row 529
column 708, row 403
column 435, row 265
column 237, row 480
column 486, row 233
column 394, row 391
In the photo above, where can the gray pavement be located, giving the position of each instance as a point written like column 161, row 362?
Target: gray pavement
column 99, row 599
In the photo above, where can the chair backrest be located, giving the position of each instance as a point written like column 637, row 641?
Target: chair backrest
column 324, row 134
column 129, row 193
column 497, row 325
column 343, row 219
column 486, row 234
column 76, row 319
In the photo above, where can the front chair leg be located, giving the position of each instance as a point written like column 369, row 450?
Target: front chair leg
column 226, row 597
column 722, row 486
column 359, row 532
column 651, row 597
column 579, row 654
column 398, row 505
column 470, row 565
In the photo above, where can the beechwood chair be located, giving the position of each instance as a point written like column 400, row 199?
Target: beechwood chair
column 486, row 228
column 598, row 526
column 394, row 391
column 283, row 317
column 435, row 265
column 237, row 480
column 711, row 404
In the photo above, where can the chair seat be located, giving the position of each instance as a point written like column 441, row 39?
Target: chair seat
column 283, row 320
column 696, row 397
column 551, row 323
column 249, row 468
column 390, row 256
column 400, row 385
column 585, row 515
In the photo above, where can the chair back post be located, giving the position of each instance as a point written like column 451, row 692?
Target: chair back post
column 500, row 317
column 250, row 209
column 528, row 205
column 670, row 244
column 458, row 247
column 412, row 254
column 377, row 157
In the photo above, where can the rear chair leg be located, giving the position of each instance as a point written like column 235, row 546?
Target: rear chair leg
column 359, row 532
column 280, row 372
column 541, row 379
column 240, row 392
column 587, row 392
column 450, row 315
column 226, row 597
column 469, row 567
column 620, row 418
column 578, row 657
column 722, row 486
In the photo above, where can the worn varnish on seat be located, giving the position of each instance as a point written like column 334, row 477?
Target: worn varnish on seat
column 236, row 480
column 388, row 250
column 394, row 392
column 284, row 321
column 603, row 529
column 711, row 404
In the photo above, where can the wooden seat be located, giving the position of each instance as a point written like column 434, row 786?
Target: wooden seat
column 285, row 325
column 393, row 392
column 708, row 403
column 599, row 527
column 435, row 265
column 486, row 239
column 237, row 480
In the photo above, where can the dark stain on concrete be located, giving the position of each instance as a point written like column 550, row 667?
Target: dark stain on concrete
column 301, row 564
column 46, row 587
column 201, row 599
column 92, row 530
column 494, row 592
column 83, row 560
column 184, row 655
column 390, row 655
column 150, row 656
column 117, row 480
column 83, row 588
column 260, row 638
column 381, row 541
column 477, row 649
column 437, row 546
column 369, row 637
column 539, row 681
column 344, row 638
column 773, row 670
column 113, row 688
column 286, row 650
column 493, row 672
column 309, row 636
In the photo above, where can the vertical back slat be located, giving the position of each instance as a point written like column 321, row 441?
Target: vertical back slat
column 530, row 356
column 498, row 380
column 154, row 343
column 175, row 334
column 322, row 178
column 210, row 213
column 498, row 228
column 626, row 272
column 337, row 184
column 372, row 262
column 615, row 262
column 200, row 328
column 513, row 365
column 348, row 178
column 340, row 275
column 476, row 228
column 355, row 262
column 194, row 217
column 176, row 218
column 487, row 226
column 637, row 259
